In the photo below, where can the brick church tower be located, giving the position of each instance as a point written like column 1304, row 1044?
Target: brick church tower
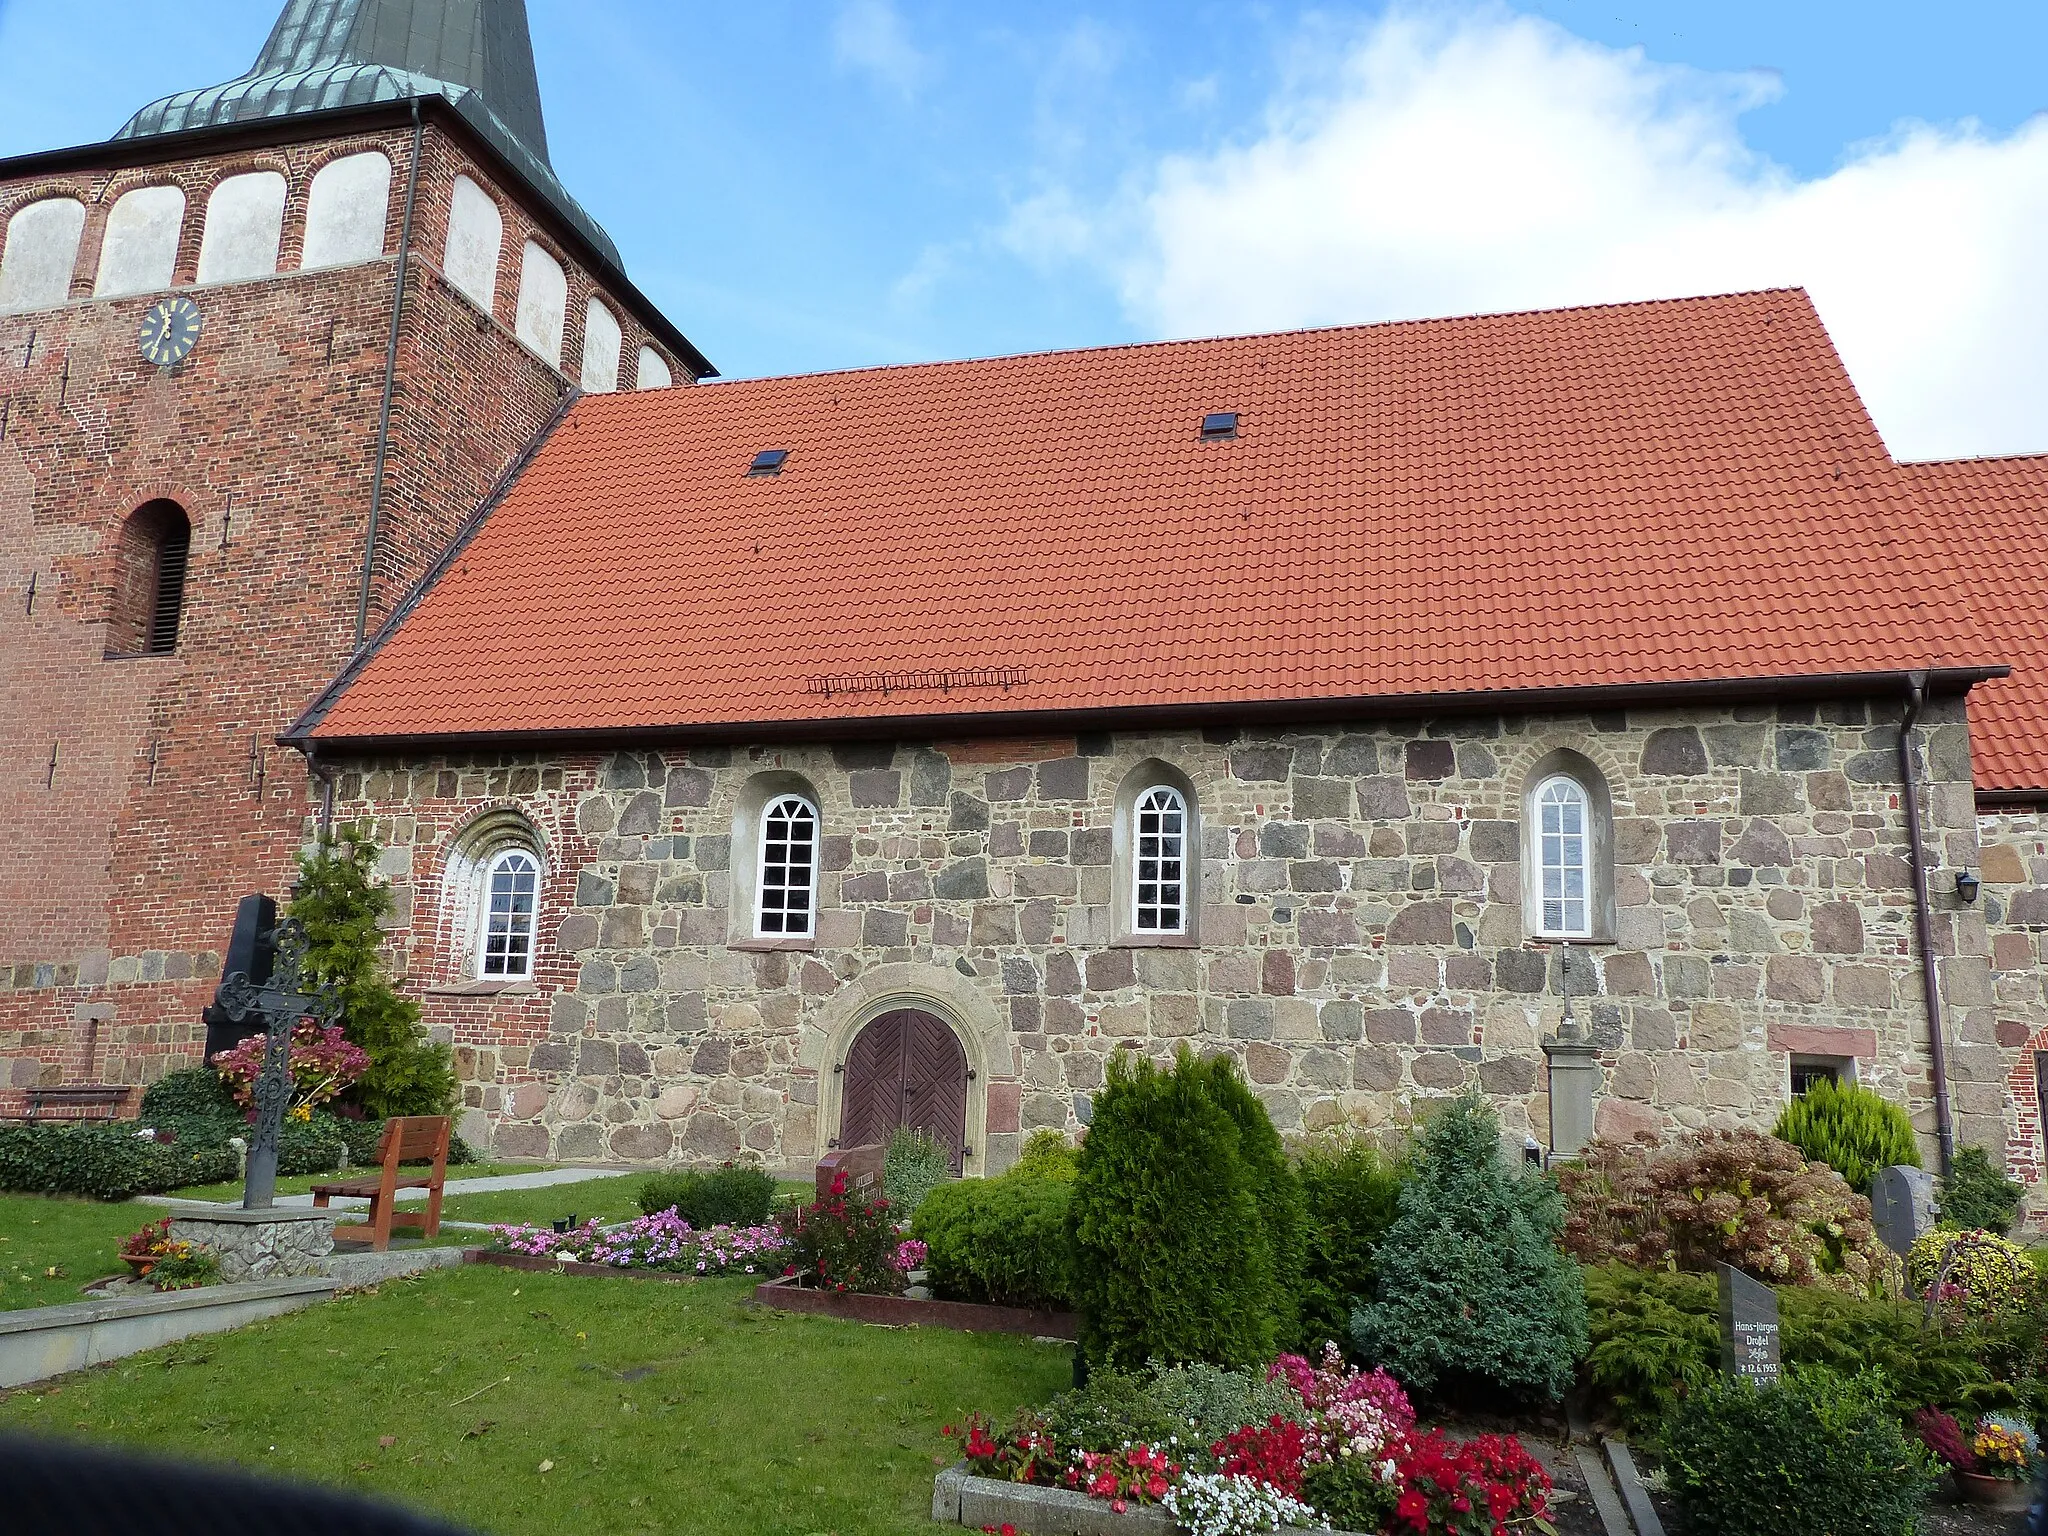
column 262, row 355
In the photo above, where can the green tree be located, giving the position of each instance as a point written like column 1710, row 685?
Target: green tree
column 339, row 904
column 1274, row 1187
column 1854, row 1131
column 1172, row 1261
column 1472, row 1290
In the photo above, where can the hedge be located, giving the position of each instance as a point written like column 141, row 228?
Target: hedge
column 1000, row 1240
column 105, row 1162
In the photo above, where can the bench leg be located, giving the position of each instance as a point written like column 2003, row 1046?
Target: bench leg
column 433, row 1223
column 380, row 1222
column 320, row 1201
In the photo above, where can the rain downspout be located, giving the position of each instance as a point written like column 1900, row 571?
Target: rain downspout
column 1923, row 924
column 412, row 186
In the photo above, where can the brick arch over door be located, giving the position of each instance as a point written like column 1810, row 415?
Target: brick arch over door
column 906, row 1067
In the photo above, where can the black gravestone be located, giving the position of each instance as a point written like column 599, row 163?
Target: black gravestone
column 1902, row 1206
column 1749, row 1327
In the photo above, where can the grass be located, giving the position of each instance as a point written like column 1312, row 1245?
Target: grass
column 299, row 1184
column 76, row 1238
column 514, row 1402
column 605, row 1199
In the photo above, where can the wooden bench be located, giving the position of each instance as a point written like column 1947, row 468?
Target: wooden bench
column 79, row 1101
column 406, row 1138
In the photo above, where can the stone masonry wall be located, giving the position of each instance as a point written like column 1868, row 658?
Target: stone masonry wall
column 2014, row 869
column 1361, row 933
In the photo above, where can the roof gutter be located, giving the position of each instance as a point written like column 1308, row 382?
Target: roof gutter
column 1214, row 715
column 1923, row 923
column 412, row 188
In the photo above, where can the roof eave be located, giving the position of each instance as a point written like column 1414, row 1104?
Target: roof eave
column 151, row 149
column 305, row 735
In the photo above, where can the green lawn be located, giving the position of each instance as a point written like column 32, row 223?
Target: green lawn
column 76, row 1238
column 299, row 1184
column 605, row 1199
column 516, row 1402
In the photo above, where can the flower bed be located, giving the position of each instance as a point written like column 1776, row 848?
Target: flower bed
column 1336, row 1448
column 663, row 1243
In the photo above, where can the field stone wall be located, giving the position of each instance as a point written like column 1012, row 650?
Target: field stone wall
column 2014, row 868
column 1361, row 931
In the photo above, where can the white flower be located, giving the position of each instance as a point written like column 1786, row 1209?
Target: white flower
column 1206, row 1504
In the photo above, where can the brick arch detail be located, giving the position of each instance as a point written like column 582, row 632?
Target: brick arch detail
column 2024, row 1156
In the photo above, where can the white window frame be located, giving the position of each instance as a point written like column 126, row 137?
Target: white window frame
column 1541, row 841
column 784, row 805
column 488, row 927
column 1159, row 800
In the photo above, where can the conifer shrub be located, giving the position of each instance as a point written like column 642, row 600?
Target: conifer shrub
column 1350, row 1194
column 1816, row 1452
column 1977, row 1196
column 1854, row 1131
column 913, row 1165
column 1002, row 1240
column 1472, row 1290
column 340, row 906
column 1173, row 1260
column 1048, row 1155
column 1273, row 1184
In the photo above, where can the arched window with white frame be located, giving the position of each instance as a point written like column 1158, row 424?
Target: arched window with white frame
column 1160, row 861
column 511, row 887
column 1567, row 851
column 785, row 889
column 1564, row 852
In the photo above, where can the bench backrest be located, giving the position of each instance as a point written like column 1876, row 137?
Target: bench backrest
column 408, row 1138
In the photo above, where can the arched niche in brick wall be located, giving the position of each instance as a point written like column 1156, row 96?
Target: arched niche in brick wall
column 543, row 302
column 476, row 234
column 139, row 250
column 244, row 223
column 601, row 339
column 653, row 371
column 41, row 250
column 346, row 211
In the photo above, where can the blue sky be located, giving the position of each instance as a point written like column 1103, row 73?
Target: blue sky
column 810, row 184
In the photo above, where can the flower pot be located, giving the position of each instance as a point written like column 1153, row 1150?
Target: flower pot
column 2003, row 1493
column 141, row 1263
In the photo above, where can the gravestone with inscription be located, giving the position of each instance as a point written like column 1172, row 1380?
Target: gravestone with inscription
column 1749, row 1327
column 1902, row 1206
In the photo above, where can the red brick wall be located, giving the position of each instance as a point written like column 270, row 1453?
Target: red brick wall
column 169, row 797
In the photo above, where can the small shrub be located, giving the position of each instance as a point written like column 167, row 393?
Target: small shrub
column 185, row 1271
column 186, row 1093
column 1197, row 1406
column 1472, row 1290
column 915, row 1164
column 1818, row 1452
column 730, row 1195
column 1350, row 1194
column 1048, row 1155
column 1351, row 1493
column 1854, row 1131
column 1655, row 1339
column 1944, row 1438
column 1173, row 1260
column 105, row 1162
column 1001, row 1240
column 321, row 1061
column 1971, row 1276
column 1733, row 1196
column 842, row 1243
column 1976, row 1196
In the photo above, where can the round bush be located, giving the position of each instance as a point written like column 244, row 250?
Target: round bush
column 1854, row 1131
column 1000, row 1240
column 1172, row 1259
column 730, row 1195
column 1981, row 1276
column 1819, row 1452
column 1472, row 1290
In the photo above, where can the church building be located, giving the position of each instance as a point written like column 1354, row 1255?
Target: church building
column 763, row 765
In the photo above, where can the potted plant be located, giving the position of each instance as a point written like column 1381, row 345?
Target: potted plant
column 143, row 1251
column 2007, row 1453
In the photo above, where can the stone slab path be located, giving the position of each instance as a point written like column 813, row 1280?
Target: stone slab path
column 485, row 1186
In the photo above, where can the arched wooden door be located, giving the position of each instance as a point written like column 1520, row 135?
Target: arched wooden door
column 905, row 1068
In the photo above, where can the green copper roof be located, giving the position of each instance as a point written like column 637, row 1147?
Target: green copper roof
column 347, row 53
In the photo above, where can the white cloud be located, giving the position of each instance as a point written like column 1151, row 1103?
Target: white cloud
column 869, row 35
column 1489, row 161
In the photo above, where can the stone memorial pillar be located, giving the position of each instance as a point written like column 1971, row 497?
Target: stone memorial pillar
column 1574, row 1077
column 1902, row 1206
column 1749, row 1327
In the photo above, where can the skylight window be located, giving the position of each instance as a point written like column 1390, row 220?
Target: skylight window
column 769, row 461
column 1219, row 424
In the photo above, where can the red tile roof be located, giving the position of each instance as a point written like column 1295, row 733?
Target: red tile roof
column 1999, row 522
column 1628, row 495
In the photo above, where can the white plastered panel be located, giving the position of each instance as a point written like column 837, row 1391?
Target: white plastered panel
column 244, row 220
column 476, row 231
column 41, row 250
column 654, row 372
column 346, row 211
column 140, row 248
column 543, row 303
column 600, row 350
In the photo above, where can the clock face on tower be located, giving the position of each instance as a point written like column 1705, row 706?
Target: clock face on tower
column 169, row 329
